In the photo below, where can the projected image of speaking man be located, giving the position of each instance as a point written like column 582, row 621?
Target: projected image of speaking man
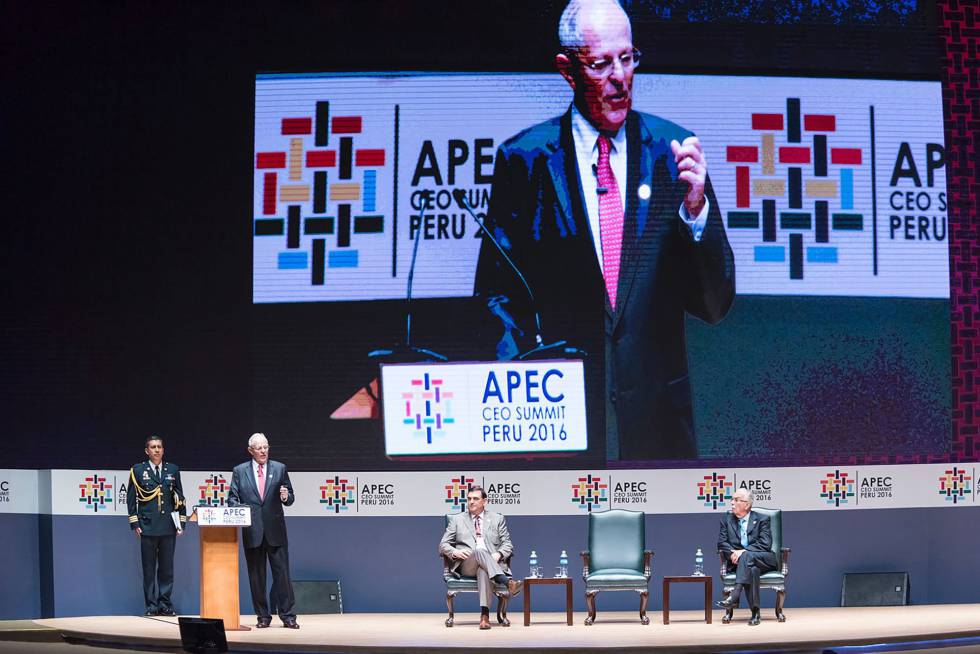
column 611, row 215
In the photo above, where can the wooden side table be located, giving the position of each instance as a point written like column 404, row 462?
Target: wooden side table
column 531, row 582
column 686, row 579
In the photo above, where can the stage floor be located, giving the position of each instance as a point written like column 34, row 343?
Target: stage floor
column 804, row 630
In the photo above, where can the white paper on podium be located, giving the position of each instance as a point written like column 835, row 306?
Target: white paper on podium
column 224, row 516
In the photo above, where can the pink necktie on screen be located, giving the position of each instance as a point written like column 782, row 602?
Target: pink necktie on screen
column 610, row 220
column 479, row 532
column 261, row 483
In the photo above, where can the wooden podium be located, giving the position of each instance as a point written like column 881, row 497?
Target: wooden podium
column 219, row 528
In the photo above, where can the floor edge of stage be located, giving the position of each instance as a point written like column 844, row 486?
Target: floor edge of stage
column 805, row 629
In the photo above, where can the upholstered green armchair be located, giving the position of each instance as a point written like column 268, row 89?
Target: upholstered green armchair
column 616, row 558
column 455, row 586
column 775, row 580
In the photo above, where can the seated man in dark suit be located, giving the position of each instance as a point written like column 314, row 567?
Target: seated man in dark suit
column 746, row 540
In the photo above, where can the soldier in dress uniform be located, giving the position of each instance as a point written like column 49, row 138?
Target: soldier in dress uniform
column 154, row 495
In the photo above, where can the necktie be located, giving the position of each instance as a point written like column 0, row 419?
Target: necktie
column 743, row 531
column 479, row 532
column 610, row 220
column 261, row 483
column 156, row 470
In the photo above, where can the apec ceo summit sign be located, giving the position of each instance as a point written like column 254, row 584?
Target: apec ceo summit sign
column 484, row 408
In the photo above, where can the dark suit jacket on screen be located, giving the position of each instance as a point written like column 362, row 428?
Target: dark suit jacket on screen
column 268, row 520
column 537, row 210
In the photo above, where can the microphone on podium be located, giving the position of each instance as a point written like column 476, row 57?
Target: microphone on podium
column 541, row 349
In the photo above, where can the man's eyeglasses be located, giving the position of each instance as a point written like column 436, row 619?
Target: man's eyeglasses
column 604, row 67
column 739, row 499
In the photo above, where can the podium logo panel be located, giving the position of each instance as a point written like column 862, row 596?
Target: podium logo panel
column 484, row 408
column 214, row 491
column 428, row 407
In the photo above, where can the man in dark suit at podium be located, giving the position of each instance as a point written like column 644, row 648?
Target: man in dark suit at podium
column 153, row 496
column 746, row 540
column 263, row 485
column 611, row 216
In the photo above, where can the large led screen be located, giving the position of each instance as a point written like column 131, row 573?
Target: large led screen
column 831, row 194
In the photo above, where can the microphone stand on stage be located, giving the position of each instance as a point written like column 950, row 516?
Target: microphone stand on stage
column 406, row 352
column 541, row 350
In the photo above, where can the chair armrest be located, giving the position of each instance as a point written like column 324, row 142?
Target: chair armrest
column 647, row 567
column 446, row 565
column 785, row 557
column 585, row 563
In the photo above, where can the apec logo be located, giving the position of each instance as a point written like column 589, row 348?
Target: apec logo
column 377, row 494
column 876, row 488
column 455, row 492
column 837, row 487
column 338, row 494
column 428, row 408
column 96, row 493
column 521, row 405
column 317, row 226
column 214, row 491
column 715, row 490
column 590, row 493
column 629, row 492
column 761, row 489
column 956, row 484
column 504, row 493
column 805, row 188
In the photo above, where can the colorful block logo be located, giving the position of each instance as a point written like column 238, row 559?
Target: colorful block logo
column 456, row 491
column 590, row 492
column 214, row 491
column 300, row 200
column 428, row 407
column 837, row 487
column 955, row 484
column 795, row 193
column 715, row 490
column 338, row 494
column 95, row 493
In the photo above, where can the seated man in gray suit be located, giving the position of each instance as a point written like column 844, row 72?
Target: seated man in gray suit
column 478, row 542
column 746, row 540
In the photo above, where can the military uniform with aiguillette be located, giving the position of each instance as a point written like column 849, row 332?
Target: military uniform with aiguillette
column 153, row 495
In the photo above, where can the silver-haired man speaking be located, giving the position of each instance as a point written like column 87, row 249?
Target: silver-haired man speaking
column 263, row 485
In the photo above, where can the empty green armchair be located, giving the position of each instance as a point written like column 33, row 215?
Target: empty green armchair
column 775, row 580
column 616, row 558
column 455, row 586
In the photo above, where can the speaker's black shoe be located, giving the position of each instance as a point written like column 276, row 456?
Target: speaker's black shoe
column 151, row 612
column 167, row 611
column 263, row 623
column 755, row 619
